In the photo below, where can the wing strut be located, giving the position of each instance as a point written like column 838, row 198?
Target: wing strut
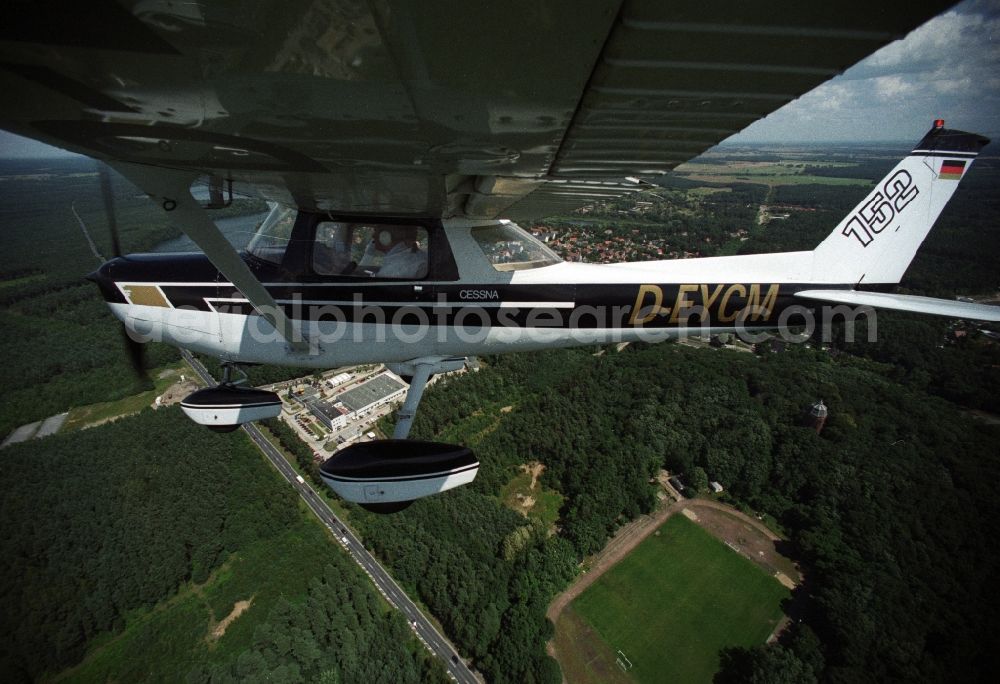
column 171, row 190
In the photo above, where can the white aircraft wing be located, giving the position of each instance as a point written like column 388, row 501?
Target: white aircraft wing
column 912, row 303
column 450, row 108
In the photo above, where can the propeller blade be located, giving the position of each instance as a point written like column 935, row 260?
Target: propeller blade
column 136, row 354
column 136, row 350
column 109, row 208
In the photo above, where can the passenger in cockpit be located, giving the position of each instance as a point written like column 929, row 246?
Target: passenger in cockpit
column 332, row 252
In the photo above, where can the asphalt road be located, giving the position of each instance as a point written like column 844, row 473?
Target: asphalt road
column 425, row 631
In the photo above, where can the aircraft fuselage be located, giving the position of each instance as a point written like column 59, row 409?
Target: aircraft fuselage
column 182, row 300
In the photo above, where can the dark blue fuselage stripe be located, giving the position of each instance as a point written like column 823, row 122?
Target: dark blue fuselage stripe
column 594, row 305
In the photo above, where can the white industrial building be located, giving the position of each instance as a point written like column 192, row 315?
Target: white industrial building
column 338, row 379
column 356, row 402
column 378, row 391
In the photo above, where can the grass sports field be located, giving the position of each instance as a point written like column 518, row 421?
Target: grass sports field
column 677, row 599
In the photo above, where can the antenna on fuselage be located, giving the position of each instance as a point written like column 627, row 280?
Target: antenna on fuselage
column 86, row 234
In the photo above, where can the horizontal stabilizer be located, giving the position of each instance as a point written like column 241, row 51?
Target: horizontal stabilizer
column 912, row 303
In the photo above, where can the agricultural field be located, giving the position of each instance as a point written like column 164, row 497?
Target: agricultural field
column 673, row 603
column 769, row 173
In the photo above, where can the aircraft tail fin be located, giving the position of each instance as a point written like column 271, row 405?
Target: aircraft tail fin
column 876, row 242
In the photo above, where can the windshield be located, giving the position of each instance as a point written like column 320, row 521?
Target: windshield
column 271, row 239
column 511, row 248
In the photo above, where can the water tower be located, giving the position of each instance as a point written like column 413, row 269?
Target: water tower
column 817, row 416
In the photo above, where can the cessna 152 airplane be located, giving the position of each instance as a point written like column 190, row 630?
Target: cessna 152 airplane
column 399, row 141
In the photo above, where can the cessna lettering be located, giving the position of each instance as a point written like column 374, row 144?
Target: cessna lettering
column 479, row 294
column 721, row 303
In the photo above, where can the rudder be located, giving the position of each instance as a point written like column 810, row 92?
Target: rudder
column 876, row 242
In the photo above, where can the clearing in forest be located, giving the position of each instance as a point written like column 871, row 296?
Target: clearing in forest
column 218, row 629
column 526, row 495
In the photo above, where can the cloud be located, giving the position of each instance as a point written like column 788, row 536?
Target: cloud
column 949, row 67
column 833, row 98
column 893, row 87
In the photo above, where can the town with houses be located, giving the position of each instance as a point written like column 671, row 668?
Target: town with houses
column 606, row 234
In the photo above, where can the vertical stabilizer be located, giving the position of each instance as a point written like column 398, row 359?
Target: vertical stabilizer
column 876, row 242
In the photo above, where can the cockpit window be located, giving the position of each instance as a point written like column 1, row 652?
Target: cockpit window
column 510, row 248
column 271, row 239
column 374, row 250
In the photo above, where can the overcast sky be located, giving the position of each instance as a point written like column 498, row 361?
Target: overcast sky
column 948, row 68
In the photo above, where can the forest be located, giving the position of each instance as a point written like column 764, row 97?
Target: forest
column 159, row 516
column 889, row 509
column 62, row 347
column 107, row 525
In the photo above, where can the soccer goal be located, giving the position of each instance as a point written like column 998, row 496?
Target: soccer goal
column 624, row 663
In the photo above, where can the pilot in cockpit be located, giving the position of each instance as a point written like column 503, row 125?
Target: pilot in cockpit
column 402, row 256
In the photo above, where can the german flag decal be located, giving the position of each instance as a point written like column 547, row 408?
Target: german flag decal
column 952, row 169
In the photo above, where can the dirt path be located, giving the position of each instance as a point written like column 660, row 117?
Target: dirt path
column 534, row 469
column 238, row 609
column 985, row 416
column 753, row 522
